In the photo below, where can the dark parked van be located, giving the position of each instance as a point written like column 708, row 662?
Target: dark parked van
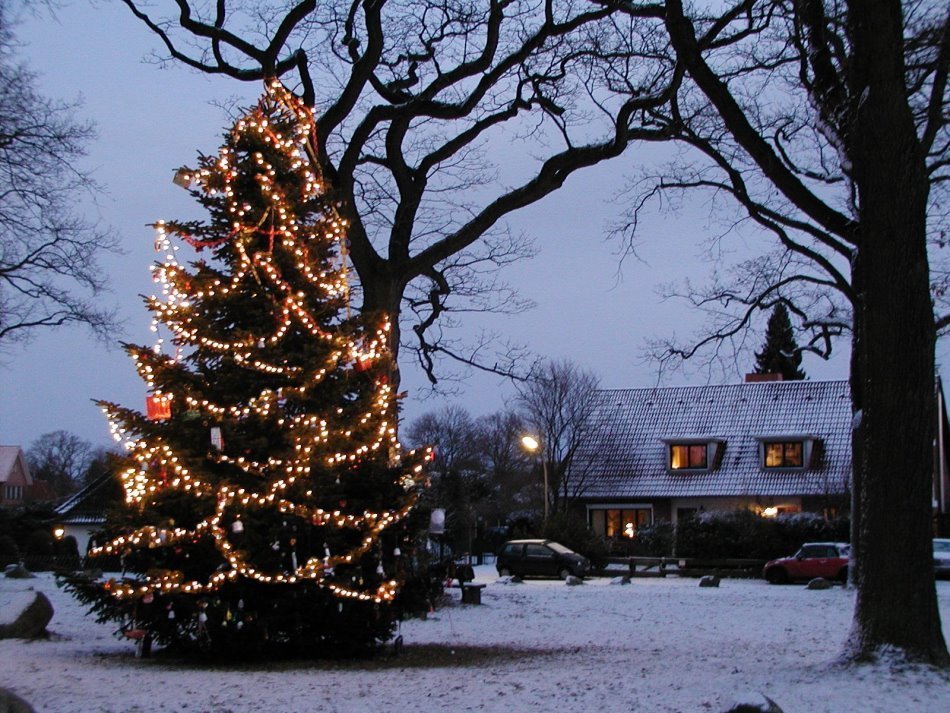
column 540, row 558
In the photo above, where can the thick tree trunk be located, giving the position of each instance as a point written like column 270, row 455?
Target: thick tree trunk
column 896, row 605
column 382, row 294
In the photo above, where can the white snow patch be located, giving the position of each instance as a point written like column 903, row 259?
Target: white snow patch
column 656, row 645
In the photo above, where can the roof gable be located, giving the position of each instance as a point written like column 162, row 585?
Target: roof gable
column 13, row 466
column 640, row 423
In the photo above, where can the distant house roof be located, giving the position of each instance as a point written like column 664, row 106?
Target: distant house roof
column 636, row 426
column 11, row 459
column 89, row 505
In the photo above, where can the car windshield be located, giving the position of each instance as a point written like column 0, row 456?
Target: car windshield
column 941, row 545
column 560, row 549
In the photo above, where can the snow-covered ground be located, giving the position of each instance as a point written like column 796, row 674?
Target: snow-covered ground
column 655, row 645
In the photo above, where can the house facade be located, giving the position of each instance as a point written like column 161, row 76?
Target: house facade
column 16, row 483
column 665, row 453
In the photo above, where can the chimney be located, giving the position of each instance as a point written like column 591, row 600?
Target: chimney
column 756, row 378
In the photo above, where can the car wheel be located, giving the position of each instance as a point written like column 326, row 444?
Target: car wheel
column 504, row 572
column 564, row 573
column 777, row 575
column 843, row 575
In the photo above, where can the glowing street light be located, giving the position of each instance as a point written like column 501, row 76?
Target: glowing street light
column 533, row 445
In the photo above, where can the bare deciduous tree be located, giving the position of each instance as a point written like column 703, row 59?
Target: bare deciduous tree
column 49, row 273
column 824, row 124
column 507, row 468
column 458, row 479
column 61, row 459
column 410, row 93
column 558, row 404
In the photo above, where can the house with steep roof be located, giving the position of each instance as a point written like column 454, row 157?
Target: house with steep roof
column 16, row 483
column 774, row 447
column 665, row 453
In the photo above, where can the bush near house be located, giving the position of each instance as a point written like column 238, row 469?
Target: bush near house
column 25, row 535
column 742, row 534
column 9, row 552
column 654, row 540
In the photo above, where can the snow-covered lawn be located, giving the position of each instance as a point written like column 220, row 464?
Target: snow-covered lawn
column 655, row 645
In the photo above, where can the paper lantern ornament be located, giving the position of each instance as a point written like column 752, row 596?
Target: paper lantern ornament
column 158, row 407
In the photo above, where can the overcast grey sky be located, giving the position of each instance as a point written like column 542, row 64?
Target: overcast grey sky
column 150, row 121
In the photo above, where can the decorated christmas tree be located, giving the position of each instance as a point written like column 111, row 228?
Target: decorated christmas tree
column 266, row 493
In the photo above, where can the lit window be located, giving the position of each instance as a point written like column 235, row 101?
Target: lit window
column 784, row 454
column 683, row 456
column 620, row 522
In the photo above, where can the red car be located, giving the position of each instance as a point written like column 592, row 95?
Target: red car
column 814, row 559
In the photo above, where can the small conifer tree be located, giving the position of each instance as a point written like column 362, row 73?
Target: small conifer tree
column 780, row 353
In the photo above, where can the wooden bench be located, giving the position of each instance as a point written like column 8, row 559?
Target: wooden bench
column 472, row 593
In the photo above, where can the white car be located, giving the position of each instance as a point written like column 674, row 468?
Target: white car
column 942, row 557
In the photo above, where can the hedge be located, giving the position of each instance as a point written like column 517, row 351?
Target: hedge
column 736, row 534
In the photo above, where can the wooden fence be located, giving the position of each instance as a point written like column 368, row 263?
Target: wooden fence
column 685, row 567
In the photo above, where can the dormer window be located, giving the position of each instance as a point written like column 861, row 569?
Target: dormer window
column 789, row 451
column 689, row 456
column 693, row 453
column 784, row 454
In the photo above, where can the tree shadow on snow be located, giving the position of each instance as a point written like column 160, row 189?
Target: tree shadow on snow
column 413, row 656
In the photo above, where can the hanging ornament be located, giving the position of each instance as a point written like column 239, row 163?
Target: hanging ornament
column 182, row 178
column 171, row 612
column 237, row 527
column 397, row 552
column 158, row 407
column 379, row 570
column 202, row 618
column 148, row 598
column 217, row 440
column 261, row 343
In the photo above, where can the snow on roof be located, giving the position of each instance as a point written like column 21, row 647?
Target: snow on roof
column 628, row 457
column 89, row 505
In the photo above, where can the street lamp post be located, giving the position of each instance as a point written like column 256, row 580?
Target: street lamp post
column 533, row 445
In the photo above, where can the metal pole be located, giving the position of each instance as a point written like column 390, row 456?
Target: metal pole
column 544, row 470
